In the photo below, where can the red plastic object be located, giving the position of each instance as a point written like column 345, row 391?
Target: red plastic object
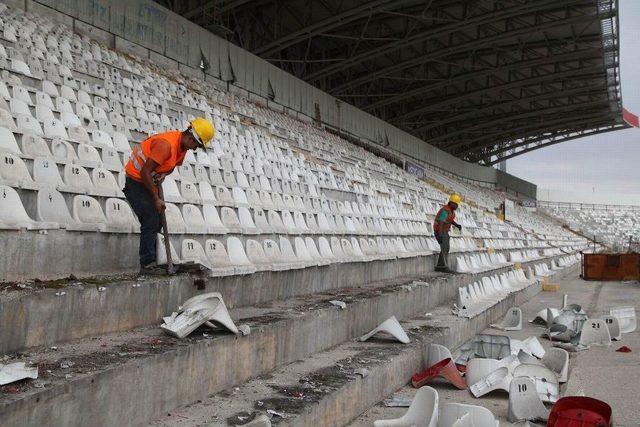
column 624, row 349
column 579, row 411
column 462, row 368
column 445, row 369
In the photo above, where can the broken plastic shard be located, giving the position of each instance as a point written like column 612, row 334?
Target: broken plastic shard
column 626, row 317
column 259, row 421
column 614, row 327
column 436, row 353
column 390, row 326
column 595, row 332
column 244, row 330
column 398, row 402
column 512, row 320
column 530, row 345
column 524, row 402
column 485, row 345
column 499, row 379
column 422, row 412
column 276, row 414
column 445, row 369
column 16, row 371
column 337, row 303
column 462, row 415
column 197, row 311
column 546, row 381
column 543, row 317
column 580, row 411
column 557, row 359
column 364, row 372
column 479, row 368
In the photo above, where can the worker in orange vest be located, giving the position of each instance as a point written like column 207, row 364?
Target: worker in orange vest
column 445, row 218
column 148, row 164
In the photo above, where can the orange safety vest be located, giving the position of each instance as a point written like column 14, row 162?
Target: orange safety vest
column 141, row 153
column 444, row 218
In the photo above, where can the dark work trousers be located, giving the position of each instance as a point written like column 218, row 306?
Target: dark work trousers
column 443, row 241
column 141, row 202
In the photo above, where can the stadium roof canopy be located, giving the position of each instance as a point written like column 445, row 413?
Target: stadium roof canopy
column 481, row 79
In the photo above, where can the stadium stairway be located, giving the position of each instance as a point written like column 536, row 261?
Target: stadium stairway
column 140, row 374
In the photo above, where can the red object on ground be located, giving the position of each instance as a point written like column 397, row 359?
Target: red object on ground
column 580, row 411
column 462, row 368
column 624, row 349
column 630, row 118
column 445, row 369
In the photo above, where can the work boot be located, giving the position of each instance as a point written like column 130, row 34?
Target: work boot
column 152, row 269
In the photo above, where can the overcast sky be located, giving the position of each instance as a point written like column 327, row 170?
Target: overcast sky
column 597, row 166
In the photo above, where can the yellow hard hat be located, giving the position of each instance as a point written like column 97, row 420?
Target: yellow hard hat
column 455, row 199
column 202, row 130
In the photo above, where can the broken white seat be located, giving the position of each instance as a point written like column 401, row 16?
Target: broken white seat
column 530, row 345
column 499, row 379
column 423, row 411
column 524, row 401
column 626, row 317
column 614, row 327
column 463, row 415
column 545, row 317
column 478, row 368
column 16, row 371
column 196, row 311
column 390, row 326
column 595, row 332
column 437, row 353
column 557, row 360
column 546, row 381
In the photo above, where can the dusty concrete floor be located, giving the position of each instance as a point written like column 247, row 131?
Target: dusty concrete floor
column 598, row 372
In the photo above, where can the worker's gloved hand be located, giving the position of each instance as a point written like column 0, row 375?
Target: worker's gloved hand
column 159, row 204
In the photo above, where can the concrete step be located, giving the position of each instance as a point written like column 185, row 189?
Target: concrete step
column 51, row 313
column 133, row 377
column 326, row 389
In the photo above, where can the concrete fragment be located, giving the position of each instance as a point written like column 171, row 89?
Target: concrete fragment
column 524, row 402
column 423, row 411
column 197, row 311
column 392, row 327
column 16, row 371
